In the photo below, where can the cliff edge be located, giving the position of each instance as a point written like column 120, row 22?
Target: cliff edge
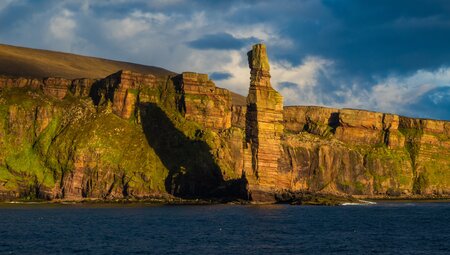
column 144, row 135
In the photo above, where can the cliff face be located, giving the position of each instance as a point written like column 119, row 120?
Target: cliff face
column 203, row 102
column 69, row 148
column 127, row 135
column 367, row 153
column 140, row 135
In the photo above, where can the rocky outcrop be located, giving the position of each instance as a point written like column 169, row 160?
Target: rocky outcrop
column 51, row 86
column 370, row 128
column 82, row 87
column 19, row 82
column 194, row 95
column 121, row 90
column 264, row 129
column 203, row 102
column 313, row 119
column 56, row 87
column 238, row 115
column 356, row 127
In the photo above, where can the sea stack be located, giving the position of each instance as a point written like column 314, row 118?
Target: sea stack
column 264, row 128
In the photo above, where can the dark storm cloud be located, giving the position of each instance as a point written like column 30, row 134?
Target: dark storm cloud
column 221, row 41
column 218, row 76
column 388, row 36
column 365, row 37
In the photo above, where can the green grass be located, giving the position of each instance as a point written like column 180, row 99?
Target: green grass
column 114, row 145
column 434, row 172
column 394, row 165
column 111, row 143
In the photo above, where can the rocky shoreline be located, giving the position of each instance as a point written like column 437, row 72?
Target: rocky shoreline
column 298, row 199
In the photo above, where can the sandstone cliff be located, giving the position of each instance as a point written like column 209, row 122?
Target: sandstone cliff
column 264, row 128
column 140, row 135
column 367, row 153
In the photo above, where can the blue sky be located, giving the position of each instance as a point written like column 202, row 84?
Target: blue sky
column 382, row 55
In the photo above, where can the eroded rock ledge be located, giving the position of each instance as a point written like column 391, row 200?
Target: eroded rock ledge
column 132, row 135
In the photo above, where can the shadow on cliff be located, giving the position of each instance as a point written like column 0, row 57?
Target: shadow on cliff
column 193, row 172
column 333, row 121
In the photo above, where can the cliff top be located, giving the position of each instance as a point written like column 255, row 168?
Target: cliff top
column 36, row 63
column 361, row 111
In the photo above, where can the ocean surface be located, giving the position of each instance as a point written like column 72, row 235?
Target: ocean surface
column 384, row 228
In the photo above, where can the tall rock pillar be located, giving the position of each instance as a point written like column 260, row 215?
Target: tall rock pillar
column 264, row 127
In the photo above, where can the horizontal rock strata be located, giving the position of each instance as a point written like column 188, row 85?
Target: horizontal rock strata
column 133, row 135
column 264, row 129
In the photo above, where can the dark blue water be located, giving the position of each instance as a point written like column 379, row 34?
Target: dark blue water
column 386, row 228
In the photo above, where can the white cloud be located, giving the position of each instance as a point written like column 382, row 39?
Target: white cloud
column 393, row 93
column 304, row 76
column 62, row 25
column 134, row 24
column 156, row 18
column 85, row 6
column 62, row 31
column 440, row 97
column 127, row 28
column 238, row 67
column 195, row 22
column 4, row 4
column 265, row 32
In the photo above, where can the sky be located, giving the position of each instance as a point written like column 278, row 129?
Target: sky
column 380, row 55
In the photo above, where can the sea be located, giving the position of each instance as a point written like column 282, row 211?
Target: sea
column 381, row 228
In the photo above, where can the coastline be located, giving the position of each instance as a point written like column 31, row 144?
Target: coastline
column 310, row 199
column 405, row 198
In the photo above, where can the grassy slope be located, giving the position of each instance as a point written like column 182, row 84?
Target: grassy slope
column 26, row 62
column 75, row 132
